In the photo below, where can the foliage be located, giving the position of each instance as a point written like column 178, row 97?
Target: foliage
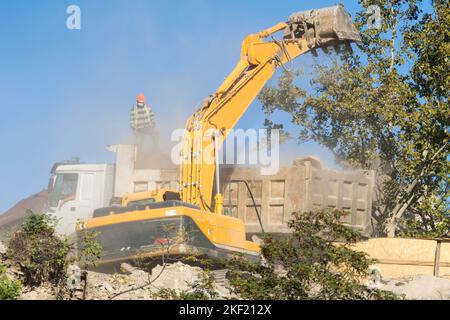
column 429, row 41
column 41, row 255
column 428, row 219
column 91, row 250
column 36, row 224
column 384, row 107
column 9, row 289
column 307, row 264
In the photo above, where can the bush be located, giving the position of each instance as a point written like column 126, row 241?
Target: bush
column 307, row 264
column 90, row 250
column 41, row 255
column 9, row 289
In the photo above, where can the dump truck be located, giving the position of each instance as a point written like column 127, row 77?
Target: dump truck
column 193, row 219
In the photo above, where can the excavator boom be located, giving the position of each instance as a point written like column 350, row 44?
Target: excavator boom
column 211, row 124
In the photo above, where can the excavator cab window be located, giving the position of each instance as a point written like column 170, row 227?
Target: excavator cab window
column 142, row 202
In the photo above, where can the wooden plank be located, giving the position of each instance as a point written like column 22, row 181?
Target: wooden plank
column 437, row 258
column 412, row 263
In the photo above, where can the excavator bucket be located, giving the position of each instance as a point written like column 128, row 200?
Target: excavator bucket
column 328, row 26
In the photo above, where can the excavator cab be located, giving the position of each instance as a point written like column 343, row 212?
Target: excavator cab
column 186, row 222
column 140, row 200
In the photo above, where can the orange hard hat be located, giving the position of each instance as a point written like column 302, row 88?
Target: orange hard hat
column 140, row 98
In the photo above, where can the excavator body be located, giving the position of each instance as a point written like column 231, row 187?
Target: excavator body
column 170, row 228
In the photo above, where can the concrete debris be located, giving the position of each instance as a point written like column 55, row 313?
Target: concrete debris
column 41, row 293
column 134, row 283
column 257, row 240
column 222, row 284
column 176, row 276
column 419, row 287
column 2, row 248
column 127, row 268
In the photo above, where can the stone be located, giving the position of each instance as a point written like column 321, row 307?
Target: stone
column 41, row 293
column 175, row 276
column 2, row 248
column 127, row 268
column 108, row 287
column 420, row 288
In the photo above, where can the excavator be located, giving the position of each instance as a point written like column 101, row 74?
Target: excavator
column 191, row 219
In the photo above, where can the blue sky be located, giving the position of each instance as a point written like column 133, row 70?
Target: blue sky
column 66, row 93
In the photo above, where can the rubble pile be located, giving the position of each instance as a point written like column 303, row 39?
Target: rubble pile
column 136, row 284
column 132, row 283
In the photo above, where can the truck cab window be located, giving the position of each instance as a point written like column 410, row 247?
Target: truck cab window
column 64, row 188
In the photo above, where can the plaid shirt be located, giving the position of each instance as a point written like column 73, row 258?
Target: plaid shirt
column 142, row 118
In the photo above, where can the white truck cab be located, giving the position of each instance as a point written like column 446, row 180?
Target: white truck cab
column 76, row 190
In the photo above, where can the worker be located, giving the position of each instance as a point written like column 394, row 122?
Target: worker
column 141, row 117
column 142, row 121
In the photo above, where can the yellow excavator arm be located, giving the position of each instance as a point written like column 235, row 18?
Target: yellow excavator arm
column 207, row 129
